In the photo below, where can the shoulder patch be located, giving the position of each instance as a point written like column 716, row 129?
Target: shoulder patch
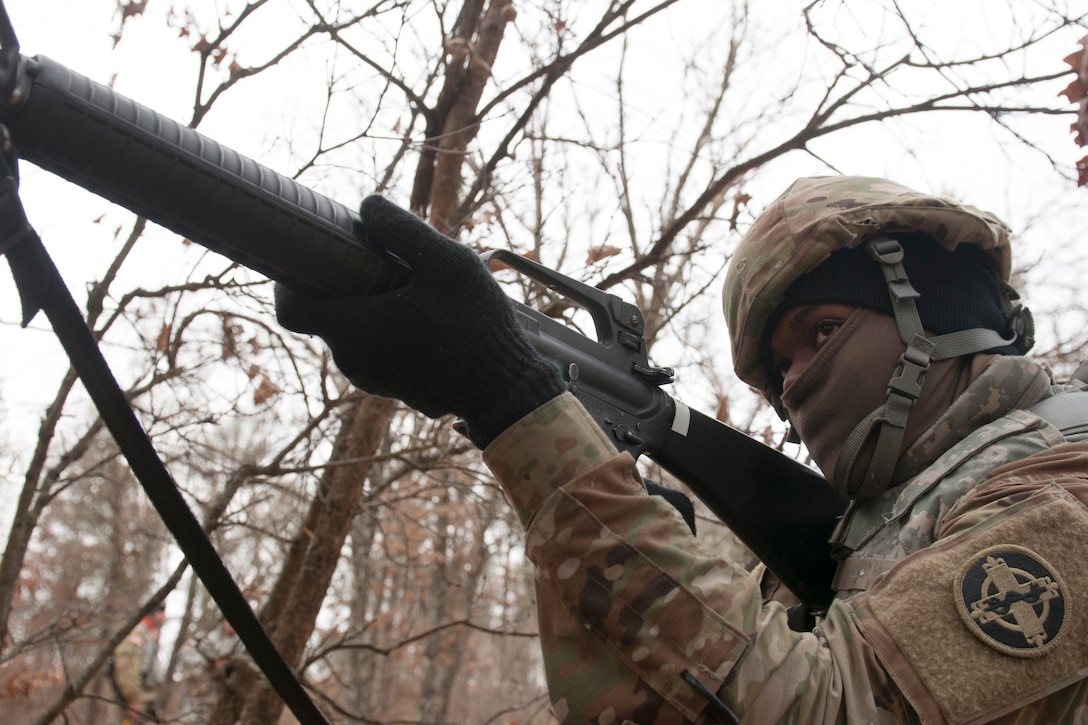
column 974, row 626
column 1013, row 600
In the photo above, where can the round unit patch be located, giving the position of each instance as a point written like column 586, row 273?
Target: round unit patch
column 1012, row 600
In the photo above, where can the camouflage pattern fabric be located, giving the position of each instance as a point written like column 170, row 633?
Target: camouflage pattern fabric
column 135, row 666
column 817, row 216
column 628, row 600
column 1001, row 603
column 607, row 562
column 984, row 428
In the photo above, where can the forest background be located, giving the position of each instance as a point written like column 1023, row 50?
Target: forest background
column 627, row 144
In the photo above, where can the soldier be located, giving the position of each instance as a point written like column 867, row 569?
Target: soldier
column 135, row 670
column 879, row 321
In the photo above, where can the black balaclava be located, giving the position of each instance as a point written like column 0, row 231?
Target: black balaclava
column 958, row 290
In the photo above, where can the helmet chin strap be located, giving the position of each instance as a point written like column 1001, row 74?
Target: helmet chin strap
column 889, row 421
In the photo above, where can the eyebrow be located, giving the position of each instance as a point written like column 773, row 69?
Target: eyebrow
column 795, row 317
column 794, row 320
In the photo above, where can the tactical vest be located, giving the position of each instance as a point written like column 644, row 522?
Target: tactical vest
column 878, row 534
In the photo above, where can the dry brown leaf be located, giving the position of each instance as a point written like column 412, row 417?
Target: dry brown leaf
column 266, row 390
column 1077, row 92
column 164, row 339
column 596, row 254
column 132, row 9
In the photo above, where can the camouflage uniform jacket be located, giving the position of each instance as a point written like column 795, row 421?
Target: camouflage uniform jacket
column 635, row 617
column 136, row 666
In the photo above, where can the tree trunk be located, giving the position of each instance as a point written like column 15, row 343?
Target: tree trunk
column 366, row 586
column 296, row 599
column 471, row 54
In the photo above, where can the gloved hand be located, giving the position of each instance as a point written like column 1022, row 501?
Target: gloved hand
column 447, row 342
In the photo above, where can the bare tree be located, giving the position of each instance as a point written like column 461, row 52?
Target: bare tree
column 626, row 143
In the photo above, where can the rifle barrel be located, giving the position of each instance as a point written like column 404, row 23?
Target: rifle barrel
column 125, row 152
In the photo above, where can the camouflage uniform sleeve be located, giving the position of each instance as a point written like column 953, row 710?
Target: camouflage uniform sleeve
column 635, row 617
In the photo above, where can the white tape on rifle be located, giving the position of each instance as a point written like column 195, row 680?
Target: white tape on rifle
column 682, row 419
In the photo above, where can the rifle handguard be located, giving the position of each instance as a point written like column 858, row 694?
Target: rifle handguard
column 132, row 156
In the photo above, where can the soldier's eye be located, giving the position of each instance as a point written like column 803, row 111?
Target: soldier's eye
column 824, row 329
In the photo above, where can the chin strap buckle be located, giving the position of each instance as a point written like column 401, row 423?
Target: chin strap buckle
column 904, row 389
column 913, row 366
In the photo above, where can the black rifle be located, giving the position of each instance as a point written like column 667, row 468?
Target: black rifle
column 782, row 510
column 81, row 130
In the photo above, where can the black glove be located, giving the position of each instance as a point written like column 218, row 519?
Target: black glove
column 679, row 501
column 447, row 342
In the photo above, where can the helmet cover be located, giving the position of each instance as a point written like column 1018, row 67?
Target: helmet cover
column 817, row 216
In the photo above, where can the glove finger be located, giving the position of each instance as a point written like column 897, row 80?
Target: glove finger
column 325, row 316
column 296, row 311
column 415, row 241
column 366, row 335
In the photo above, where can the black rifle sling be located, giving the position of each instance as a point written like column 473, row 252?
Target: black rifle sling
column 41, row 287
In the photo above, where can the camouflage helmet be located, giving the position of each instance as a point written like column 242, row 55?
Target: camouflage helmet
column 815, row 217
